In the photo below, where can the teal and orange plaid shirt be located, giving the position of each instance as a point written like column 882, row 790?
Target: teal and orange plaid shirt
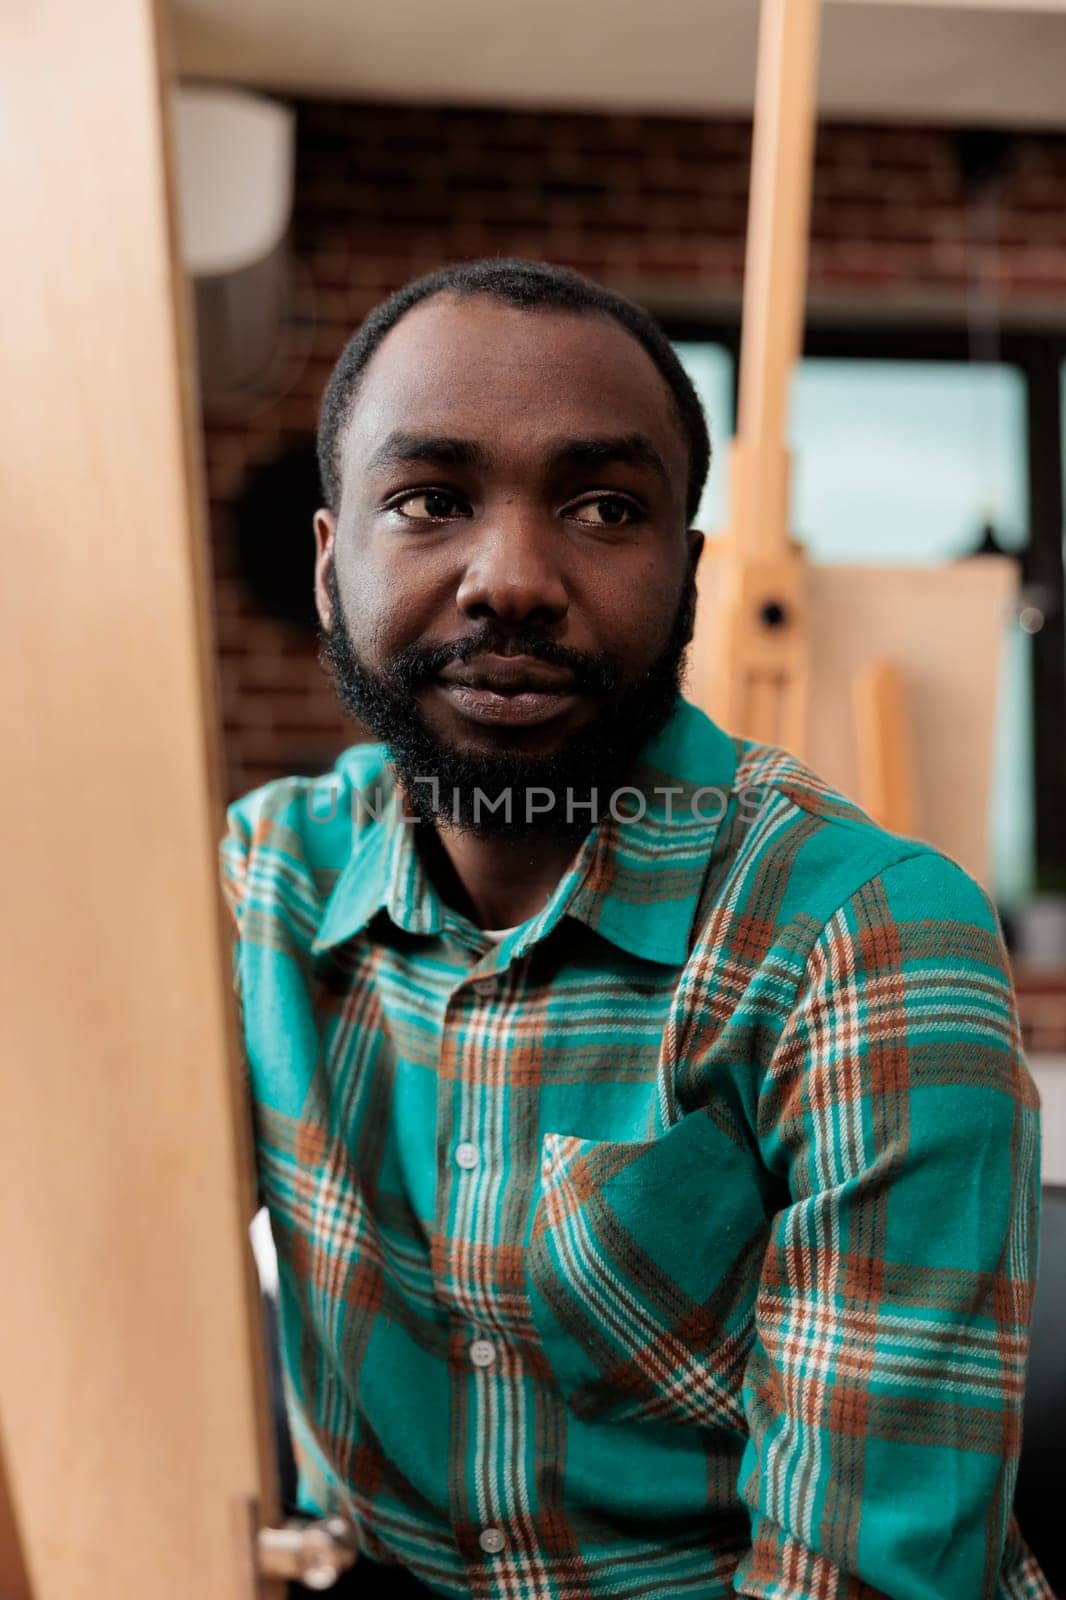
column 683, row 1242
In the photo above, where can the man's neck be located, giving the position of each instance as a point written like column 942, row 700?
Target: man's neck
column 500, row 880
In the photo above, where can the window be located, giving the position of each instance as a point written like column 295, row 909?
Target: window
column 710, row 366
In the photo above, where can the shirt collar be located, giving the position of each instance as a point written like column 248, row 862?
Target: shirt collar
column 645, row 873
column 384, row 869
column 636, row 880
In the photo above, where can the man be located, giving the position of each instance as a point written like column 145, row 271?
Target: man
column 647, row 1143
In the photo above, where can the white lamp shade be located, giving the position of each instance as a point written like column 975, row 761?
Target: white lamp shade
column 234, row 154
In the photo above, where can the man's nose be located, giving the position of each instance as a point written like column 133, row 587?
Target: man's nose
column 513, row 574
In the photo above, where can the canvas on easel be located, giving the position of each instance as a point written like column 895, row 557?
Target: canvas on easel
column 942, row 629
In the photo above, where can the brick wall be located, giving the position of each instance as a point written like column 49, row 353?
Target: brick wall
column 652, row 206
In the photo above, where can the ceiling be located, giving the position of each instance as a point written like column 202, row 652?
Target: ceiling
column 883, row 60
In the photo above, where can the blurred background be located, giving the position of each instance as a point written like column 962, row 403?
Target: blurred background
column 325, row 161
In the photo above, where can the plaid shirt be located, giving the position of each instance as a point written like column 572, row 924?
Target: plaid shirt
column 680, row 1244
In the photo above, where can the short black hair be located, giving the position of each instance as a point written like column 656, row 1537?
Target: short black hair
column 529, row 285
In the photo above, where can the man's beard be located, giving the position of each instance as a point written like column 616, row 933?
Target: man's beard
column 509, row 791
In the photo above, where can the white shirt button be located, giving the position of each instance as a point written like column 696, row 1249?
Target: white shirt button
column 482, row 1353
column 491, row 1541
column 466, row 1155
column 546, row 1166
column 484, row 986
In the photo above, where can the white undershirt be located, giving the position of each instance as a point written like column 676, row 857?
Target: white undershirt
column 494, row 935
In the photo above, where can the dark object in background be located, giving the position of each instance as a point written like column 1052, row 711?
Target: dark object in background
column 273, row 538
column 369, row 1580
column 1038, row 1499
column 286, row 1459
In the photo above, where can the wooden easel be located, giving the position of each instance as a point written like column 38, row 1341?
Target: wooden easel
column 755, row 668
column 137, row 1460
column 883, row 679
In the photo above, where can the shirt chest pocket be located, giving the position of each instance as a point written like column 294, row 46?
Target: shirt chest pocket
column 641, row 1267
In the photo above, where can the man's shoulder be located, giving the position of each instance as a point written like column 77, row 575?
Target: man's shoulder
column 301, row 829
column 798, row 851
column 289, row 800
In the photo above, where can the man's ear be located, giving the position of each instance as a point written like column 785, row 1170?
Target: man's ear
column 695, row 550
column 325, row 526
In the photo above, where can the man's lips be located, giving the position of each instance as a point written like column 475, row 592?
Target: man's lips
column 508, row 691
column 509, row 675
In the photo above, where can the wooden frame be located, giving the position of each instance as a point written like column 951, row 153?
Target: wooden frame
column 132, row 1385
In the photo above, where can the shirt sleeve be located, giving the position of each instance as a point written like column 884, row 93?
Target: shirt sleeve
column 884, row 1387
column 233, row 853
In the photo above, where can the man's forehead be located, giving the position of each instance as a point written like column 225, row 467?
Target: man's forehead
column 475, row 365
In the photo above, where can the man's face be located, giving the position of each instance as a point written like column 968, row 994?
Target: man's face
column 507, row 589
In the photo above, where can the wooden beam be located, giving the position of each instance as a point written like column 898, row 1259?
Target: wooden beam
column 775, row 271
column 750, row 661
column 886, row 786
column 131, row 1383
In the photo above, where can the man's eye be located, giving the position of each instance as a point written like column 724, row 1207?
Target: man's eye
column 428, row 505
column 606, row 511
